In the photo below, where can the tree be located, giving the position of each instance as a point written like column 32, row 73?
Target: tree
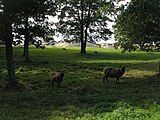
column 12, row 12
column 159, row 67
column 37, row 32
column 85, row 19
column 7, row 18
column 37, row 10
column 138, row 25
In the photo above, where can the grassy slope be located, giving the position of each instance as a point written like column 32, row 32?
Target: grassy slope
column 82, row 95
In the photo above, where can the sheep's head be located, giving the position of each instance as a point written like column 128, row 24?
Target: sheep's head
column 123, row 68
column 62, row 73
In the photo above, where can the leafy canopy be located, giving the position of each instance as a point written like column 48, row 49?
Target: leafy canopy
column 90, row 16
column 138, row 26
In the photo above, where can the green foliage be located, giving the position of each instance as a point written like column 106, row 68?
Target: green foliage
column 137, row 26
column 82, row 95
column 78, row 16
column 20, row 11
column 37, row 11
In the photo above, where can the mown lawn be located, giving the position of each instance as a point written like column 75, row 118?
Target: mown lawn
column 82, row 95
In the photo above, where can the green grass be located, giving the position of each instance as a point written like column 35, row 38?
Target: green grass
column 82, row 95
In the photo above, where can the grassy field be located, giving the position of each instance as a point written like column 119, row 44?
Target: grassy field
column 82, row 95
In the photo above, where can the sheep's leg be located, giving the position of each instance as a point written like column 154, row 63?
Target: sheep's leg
column 107, row 79
column 58, row 84
column 52, row 82
column 104, row 78
column 117, row 79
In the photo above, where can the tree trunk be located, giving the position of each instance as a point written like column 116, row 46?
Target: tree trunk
column 83, row 48
column 85, row 37
column 86, row 29
column 9, row 55
column 26, row 41
column 159, row 67
column 83, row 44
column 10, row 63
column 142, row 46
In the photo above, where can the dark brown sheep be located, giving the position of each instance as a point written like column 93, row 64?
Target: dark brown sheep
column 57, row 77
column 113, row 73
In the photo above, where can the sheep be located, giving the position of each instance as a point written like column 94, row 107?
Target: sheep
column 113, row 73
column 57, row 78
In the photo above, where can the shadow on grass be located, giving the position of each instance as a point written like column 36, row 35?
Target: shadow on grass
column 113, row 55
column 42, row 101
column 141, row 66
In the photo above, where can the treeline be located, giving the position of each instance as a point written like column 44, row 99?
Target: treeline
column 80, row 19
column 137, row 24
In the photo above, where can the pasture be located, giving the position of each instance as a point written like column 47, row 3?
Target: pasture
column 83, row 95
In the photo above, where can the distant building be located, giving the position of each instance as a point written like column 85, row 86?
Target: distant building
column 107, row 44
